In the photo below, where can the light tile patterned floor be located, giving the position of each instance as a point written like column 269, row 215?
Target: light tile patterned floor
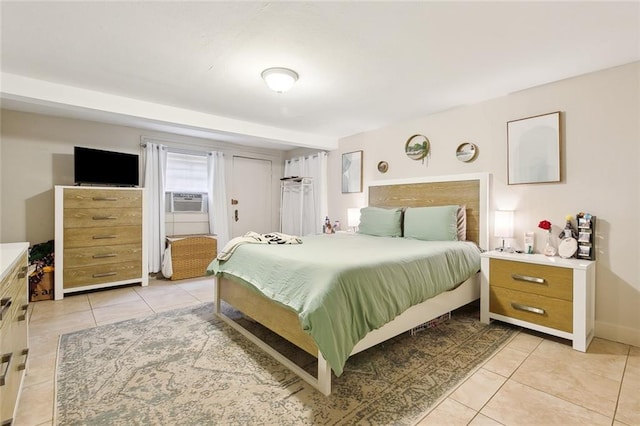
column 532, row 380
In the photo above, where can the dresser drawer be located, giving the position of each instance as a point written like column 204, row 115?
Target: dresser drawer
column 542, row 280
column 98, row 274
column 101, row 255
column 88, row 218
column 102, row 236
column 102, row 198
column 533, row 308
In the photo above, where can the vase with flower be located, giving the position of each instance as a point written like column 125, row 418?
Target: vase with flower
column 549, row 249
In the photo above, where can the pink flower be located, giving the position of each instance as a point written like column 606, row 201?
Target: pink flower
column 545, row 224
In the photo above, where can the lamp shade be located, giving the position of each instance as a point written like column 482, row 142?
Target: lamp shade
column 279, row 79
column 503, row 224
column 353, row 217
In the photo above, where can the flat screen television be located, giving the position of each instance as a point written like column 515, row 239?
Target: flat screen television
column 99, row 167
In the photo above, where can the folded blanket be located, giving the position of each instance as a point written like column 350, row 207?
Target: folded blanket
column 255, row 238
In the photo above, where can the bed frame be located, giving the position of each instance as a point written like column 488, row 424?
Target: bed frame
column 469, row 189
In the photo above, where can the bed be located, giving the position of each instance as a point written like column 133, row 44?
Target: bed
column 244, row 281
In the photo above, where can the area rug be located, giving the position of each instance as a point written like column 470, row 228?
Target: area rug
column 187, row 367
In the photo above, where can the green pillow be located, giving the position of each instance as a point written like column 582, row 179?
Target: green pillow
column 380, row 222
column 438, row 223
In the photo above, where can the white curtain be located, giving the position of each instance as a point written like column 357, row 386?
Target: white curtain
column 312, row 208
column 155, row 173
column 218, row 212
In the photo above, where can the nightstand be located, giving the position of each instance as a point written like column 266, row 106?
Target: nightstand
column 547, row 294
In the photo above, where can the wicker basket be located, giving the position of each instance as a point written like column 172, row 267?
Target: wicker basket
column 190, row 255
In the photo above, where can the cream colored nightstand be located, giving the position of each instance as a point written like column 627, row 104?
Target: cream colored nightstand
column 548, row 294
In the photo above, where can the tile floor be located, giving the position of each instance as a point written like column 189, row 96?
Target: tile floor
column 532, row 380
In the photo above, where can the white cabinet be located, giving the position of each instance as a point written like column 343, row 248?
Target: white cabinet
column 547, row 294
column 14, row 338
column 100, row 238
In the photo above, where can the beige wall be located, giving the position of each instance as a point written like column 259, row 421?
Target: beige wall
column 37, row 153
column 601, row 121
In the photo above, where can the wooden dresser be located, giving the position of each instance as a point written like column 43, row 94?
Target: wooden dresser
column 100, row 238
column 548, row 294
column 14, row 337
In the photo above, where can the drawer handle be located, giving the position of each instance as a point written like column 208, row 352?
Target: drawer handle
column 101, row 256
column 104, row 237
column 105, row 199
column 23, row 366
column 105, row 274
column 105, row 217
column 23, row 272
column 6, row 359
column 4, row 305
column 528, row 279
column 526, row 308
column 24, row 315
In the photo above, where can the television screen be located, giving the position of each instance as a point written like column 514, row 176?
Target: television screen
column 98, row 167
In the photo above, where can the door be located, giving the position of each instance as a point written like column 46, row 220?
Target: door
column 251, row 196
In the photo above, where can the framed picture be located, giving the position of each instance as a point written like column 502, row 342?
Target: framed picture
column 352, row 172
column 533, row 146
column 417, row 147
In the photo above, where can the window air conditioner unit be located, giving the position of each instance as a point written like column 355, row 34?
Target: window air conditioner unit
column 188, row 202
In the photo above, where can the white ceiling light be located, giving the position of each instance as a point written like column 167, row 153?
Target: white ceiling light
column 279, row 79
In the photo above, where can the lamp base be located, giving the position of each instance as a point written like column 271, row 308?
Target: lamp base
column 505, row 249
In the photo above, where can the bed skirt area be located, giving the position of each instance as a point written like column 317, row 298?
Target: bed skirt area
column 284, row 321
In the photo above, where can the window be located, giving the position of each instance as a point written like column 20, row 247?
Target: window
column 186, row 174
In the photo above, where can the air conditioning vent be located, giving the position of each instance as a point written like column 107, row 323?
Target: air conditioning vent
column 188, row 202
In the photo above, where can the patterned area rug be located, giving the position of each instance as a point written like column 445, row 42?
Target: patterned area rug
column 187, row 367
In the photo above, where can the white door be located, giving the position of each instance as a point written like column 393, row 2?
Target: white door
column 251, row 197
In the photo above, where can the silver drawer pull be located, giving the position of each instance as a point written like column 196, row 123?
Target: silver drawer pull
column 101, row 256
column 104, row 237
column 526, row 308
column 105, row 199
column 105, row 274
column 105, row 217
column 23, row 366
column 528, row 279
column 6, row 359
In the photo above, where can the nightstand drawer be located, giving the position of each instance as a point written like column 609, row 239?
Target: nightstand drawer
column 532, row 278
column 533, row 308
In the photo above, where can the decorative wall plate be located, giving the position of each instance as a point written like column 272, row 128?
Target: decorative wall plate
column 383, row 166
column 417, row 147
column 466, row 152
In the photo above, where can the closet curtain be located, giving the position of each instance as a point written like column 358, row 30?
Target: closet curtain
column 216, row 186
column 155, row 172
column 314, row 203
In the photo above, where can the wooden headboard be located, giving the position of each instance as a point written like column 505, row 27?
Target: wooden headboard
column 468, row 190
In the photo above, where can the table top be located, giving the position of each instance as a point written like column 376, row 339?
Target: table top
column 540, row 259
column 9, row 255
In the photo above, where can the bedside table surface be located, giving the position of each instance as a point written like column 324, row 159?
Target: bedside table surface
column 540, row 259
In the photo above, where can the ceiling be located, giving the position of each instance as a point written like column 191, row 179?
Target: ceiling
column 194, row 67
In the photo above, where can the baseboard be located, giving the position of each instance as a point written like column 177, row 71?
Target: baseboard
column 616, row 333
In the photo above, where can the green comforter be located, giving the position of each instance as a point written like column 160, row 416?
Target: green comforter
column 344, row 285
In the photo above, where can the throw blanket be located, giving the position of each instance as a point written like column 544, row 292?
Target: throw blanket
column 255, row 238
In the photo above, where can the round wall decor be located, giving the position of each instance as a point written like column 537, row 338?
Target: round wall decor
column 417, row 147
column 466, row 152
column 383, row 166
